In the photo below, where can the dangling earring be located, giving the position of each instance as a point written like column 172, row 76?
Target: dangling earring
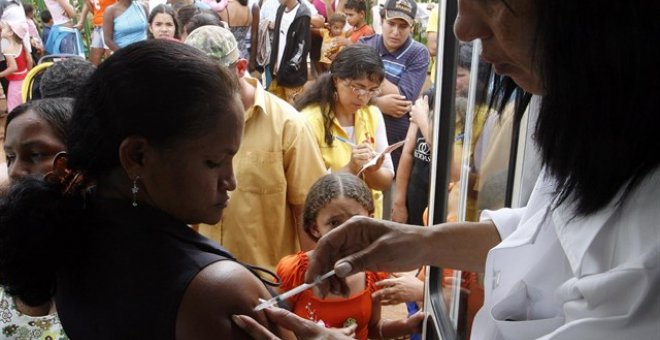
column 135, row 190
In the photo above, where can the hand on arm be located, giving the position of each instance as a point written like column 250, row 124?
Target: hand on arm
column 394, row 105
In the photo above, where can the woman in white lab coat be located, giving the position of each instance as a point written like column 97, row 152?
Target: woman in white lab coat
column 582, row 260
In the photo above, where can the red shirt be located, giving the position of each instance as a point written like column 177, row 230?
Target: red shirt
column 363, row 31
column 334, row 312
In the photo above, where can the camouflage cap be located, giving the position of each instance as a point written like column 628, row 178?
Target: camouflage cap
column 217, row 42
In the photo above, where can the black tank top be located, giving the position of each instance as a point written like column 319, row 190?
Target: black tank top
column 131, row 272
column 418, row 185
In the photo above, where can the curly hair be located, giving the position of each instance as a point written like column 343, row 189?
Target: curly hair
column 65, row 78
column 332, row 186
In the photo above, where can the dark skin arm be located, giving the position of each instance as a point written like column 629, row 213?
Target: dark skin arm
column 363, row 243
column 254, row 37
column 219, row 291
column 109, row 28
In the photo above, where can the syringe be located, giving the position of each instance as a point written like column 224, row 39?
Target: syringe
column 303, row 287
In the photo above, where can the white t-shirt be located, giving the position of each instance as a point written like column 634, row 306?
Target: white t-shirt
column 287, row 19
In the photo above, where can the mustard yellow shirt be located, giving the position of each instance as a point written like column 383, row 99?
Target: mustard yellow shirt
column 276, row 164
column 337, row 155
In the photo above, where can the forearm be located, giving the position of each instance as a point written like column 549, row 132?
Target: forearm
column 462, row 246
column 389, row 329
column 11, row 67
column 68, row 9
column 403, row 177
column 380, row 179
column 317, row 21
column 83, row 14
column 386, row 87
column 111, row 44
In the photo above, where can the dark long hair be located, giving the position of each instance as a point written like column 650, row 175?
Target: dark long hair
column 353, row 62
column 599, row 119
column 54, row 111
column 165, row 9
column 40, row 226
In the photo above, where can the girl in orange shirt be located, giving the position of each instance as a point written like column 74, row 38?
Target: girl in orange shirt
column 333, row 199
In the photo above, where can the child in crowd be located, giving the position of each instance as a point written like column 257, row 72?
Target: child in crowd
column 35, row 39
column 47, row 24
column 163, row 23
column 356, row 11
column 331, row 46
column 37, row 127
column 289, row 49
column 333, row 199
column 17, row 60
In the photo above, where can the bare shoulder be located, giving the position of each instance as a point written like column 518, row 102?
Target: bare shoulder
column 219, row 291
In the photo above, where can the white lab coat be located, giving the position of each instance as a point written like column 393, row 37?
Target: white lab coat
column 559, row 277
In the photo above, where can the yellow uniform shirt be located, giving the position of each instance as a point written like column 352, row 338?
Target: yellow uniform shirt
column 337, row 155
column 276, row 164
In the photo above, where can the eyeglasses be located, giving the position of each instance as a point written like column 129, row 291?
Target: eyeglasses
column 362, row 92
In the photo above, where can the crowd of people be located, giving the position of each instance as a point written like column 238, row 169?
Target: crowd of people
column 203, row 156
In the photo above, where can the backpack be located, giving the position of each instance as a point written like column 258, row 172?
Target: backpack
column 64, row 40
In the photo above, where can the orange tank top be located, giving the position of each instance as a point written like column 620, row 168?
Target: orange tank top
column 99, row 9
column 334, row 312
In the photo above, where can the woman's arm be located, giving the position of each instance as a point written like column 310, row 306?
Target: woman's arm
column 82, row 17
column 362, row 244
column 11, row 66
column 109, row 28
column 68, row 9
column 390, row 329
column 254, row 38
column 220, row 290
column 399, row 209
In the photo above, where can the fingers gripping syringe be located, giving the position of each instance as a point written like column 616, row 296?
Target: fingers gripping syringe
column 303, row 287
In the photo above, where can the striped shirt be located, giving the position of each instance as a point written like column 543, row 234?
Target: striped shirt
column 406, row 68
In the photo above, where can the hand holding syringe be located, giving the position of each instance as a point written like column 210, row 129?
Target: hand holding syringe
column 303, row 287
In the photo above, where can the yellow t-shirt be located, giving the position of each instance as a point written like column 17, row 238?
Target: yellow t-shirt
column 337, row 155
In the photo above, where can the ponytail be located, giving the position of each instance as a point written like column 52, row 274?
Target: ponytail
column 39, row 230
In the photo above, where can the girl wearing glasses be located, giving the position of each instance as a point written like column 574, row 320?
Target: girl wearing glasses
column 350, row 132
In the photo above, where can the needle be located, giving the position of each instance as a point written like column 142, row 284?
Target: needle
column 303, row 287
